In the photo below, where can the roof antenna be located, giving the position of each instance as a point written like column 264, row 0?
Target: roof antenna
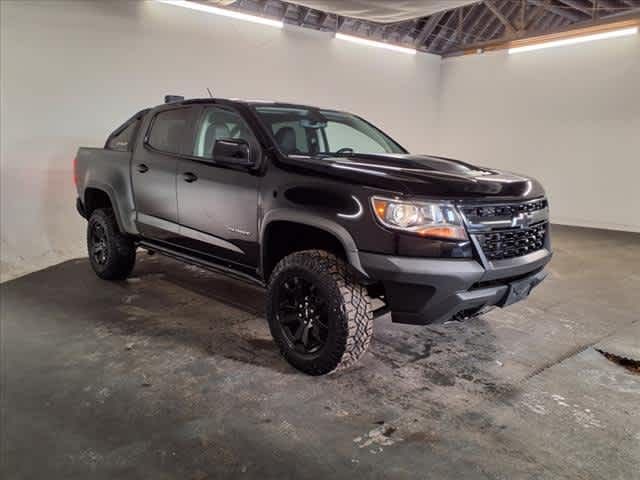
column 210, row 94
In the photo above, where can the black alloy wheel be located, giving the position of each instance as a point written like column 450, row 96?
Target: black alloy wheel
column 319, row 314
column 302, row 314
column 112, row 254
column 98, row 242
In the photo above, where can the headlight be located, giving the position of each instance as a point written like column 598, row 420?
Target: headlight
column 427, row 219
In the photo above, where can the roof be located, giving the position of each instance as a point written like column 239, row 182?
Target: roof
column 455, row 30
column 217, row 100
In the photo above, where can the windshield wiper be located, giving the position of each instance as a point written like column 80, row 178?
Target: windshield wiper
column 334, row 154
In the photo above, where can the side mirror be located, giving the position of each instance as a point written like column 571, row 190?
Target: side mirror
column 233, row 152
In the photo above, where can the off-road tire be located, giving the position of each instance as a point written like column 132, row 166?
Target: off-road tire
column 350, row 317
column 120, row 249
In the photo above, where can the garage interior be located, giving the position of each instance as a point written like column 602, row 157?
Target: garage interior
column 173, row 373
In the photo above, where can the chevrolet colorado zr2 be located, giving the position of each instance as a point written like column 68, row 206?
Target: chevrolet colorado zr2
column 320, row 207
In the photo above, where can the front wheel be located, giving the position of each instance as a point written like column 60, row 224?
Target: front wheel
column 112, row 254
column 319, row 315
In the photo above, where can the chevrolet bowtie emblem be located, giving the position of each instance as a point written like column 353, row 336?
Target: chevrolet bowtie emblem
column 522, row 220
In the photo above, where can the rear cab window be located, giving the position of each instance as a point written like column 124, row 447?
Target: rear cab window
column 124, row 137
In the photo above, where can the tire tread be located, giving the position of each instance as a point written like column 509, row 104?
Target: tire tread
column 122, row 249
column 357, row 325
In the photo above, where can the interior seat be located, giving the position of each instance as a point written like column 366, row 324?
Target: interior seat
column 286, row 138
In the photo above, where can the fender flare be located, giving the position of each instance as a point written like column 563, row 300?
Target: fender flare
column 322, row 223
column 125, row 223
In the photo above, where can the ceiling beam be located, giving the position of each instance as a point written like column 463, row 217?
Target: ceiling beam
column 478, row 10
column 443, row 33
column 548, row 21
column 485, row 20
column 574, row 4
column 321, row 19
column 484, row 15
column 261, row 5
column 429, row 26
column 510, row 33
column 285, row 11
column 523, row 14
column 551, row 33
column 535, row 26
column 303, row 13
column 378, row 31
column 503, row 19
column 473, row 26
column 560, row 21
column 462, row 19
column 409, row 26
column 563, row 12
column 536, row 14
column 608, row 4
column 490, row 23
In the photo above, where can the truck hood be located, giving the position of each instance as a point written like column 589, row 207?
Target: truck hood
column 425, row 175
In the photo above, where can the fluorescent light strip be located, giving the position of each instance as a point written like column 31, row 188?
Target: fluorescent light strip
column 224, row 12
column 574, row 40
column 373, row 43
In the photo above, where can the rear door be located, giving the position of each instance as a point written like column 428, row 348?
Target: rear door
column 217, row 204
column 153, row 171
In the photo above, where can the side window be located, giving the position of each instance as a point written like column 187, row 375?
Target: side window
column 123, row 140
column 168, row 130
column 341, row 135
column 217, row 124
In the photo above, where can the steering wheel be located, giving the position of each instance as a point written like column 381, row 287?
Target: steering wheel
column 344, row 150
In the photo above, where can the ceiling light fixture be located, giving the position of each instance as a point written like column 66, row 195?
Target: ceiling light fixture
column 622, row 32
column 224, row 12
column 373, row 43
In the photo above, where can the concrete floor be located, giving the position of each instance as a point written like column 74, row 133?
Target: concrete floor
column 172, row 374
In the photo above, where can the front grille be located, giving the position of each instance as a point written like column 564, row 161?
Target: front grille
column 512, row 242
column 504, row 210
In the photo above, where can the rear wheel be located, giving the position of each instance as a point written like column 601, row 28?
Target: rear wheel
column 111, row 253
column 319, row 315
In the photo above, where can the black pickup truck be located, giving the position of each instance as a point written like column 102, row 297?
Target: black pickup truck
column 319, row 206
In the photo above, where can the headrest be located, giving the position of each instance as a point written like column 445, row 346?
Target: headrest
column 286, row 138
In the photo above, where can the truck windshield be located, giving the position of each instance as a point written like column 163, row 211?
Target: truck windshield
column 305, row 131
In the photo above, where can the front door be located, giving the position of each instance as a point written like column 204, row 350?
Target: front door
column 217, row 204
column 153, row 173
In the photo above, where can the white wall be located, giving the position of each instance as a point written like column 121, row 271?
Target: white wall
column 568, row 116
column 71, row 72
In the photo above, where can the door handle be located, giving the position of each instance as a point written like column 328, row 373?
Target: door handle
column 142, row 168
column 189, row 177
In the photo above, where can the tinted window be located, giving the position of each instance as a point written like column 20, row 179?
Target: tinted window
column 168, row 130
column 218, row 124
column 123, row 140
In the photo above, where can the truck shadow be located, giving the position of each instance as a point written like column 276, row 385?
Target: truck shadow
column 186, row 315
column 414, row 359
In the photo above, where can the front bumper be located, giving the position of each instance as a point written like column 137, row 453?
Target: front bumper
column 425, row 290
